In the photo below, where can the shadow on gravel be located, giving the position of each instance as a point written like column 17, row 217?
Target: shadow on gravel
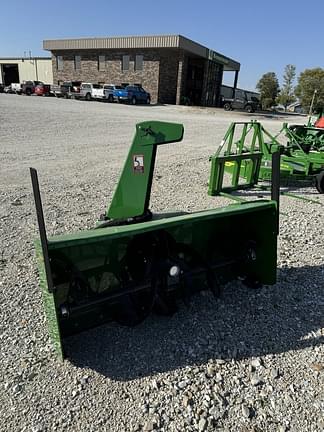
column 240, row 324
column 295, row 187
column 279, row 115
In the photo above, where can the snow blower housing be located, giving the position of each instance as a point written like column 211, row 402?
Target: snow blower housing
column 135, row 263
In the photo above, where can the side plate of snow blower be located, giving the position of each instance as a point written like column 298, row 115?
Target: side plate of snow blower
column 134, row 262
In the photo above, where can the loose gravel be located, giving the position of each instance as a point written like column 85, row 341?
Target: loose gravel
column 252, row 360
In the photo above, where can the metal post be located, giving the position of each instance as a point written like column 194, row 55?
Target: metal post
column 235, row 83
column 275, row 182
column 41, row 227
column 36, row 69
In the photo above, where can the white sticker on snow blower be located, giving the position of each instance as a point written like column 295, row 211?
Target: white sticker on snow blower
column 138, row 164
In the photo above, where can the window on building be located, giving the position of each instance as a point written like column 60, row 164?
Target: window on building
column 101, row 63
column 77, row 62
column 125, row 63
column 59, row 63
column 139, row 63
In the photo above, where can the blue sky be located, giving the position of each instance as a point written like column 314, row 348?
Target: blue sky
column 262, row 35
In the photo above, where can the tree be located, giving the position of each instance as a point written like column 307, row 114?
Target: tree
column 268, row 87
column 309, row 81
column 287, row 95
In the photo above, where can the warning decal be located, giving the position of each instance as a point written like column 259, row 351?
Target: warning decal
column 138, row 164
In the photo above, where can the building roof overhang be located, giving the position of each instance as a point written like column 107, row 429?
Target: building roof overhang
column 143, row 42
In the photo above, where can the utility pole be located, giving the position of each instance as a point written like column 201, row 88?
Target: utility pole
column 36, row 69
column 312, row 103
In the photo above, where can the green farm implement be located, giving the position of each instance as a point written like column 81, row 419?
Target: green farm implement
column 134, row 262
column 309, row 137
column 301, row 159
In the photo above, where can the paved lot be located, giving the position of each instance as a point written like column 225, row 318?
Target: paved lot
column 250, row 361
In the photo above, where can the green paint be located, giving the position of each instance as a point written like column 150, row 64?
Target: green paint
column 242, row 140
column 91, row 268
column 133, row 191
column 49, row 303
column 99, row 254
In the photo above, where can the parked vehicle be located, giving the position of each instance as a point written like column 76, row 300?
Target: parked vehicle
column 7, row 89
column 43, row 90
column 105, row 92
column 98, row 92
column 109, row 91
column 69, row 89
column 28, row 87
column 85, row 91
column 55, row 90
column 16, row 88
column 242, row 101
column 132, row 95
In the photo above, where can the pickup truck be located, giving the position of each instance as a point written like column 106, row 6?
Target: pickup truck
column 132, row 95
column 88, row 91
column 109, row 90
column 69, row 89
column 16, row 88
column 91, row 91
column 241, row 101
column 28, row 87
column 43, row 90
column 98, row 92
column 55, row 90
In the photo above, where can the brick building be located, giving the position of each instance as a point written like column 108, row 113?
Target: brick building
column 172, row 68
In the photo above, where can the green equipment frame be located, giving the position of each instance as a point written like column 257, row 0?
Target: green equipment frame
column 253, row 145
column 238, row 162
column 135, row 262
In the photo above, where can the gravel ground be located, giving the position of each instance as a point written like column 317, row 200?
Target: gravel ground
column 249, row 361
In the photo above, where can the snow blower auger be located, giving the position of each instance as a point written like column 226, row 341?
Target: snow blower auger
column 299, row 160
column 135, row 262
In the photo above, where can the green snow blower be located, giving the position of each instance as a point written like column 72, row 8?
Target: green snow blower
column 134, row 263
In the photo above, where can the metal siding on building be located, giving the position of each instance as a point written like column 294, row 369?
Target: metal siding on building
column 127, row 42
column 27, row 68
column 45, row 71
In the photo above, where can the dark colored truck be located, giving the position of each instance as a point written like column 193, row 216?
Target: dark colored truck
column 28, row 87
column 70, row 89
column 241, row 101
